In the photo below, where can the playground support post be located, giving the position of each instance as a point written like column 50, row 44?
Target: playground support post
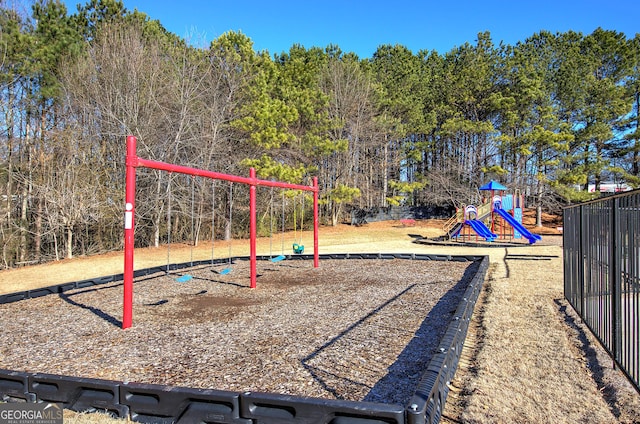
column 129, row 213
column 252, row 229
column 133, row 161
column 316, row 257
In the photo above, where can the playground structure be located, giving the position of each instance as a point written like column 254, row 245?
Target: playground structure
column 133, row 162
column 498, row 218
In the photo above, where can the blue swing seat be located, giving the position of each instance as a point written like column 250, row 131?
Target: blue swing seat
column 278, row 258
column 223, row 271
column 184, row 278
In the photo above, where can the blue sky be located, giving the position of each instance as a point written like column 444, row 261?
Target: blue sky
column 360, row 26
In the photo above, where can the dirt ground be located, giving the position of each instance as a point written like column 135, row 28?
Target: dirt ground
column 528, row 358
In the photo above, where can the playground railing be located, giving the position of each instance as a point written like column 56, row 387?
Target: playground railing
column 455, row 219
column 484, row 210
column 601, row 243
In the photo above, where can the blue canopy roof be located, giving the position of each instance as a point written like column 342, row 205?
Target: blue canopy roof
column 493, row 185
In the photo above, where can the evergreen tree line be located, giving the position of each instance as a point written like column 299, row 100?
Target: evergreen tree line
column 547, row 116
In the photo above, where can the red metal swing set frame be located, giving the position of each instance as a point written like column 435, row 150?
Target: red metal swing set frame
column 133, row 162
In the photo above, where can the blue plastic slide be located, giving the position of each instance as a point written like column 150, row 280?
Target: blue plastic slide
column 518, row 226
column 481, row 229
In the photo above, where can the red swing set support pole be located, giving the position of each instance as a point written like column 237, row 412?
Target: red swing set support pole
column 133, row 162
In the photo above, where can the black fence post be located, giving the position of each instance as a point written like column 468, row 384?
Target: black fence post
column 616, row 340
column 582, row 272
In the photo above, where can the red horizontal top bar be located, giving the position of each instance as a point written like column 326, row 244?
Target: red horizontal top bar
column 139, row 162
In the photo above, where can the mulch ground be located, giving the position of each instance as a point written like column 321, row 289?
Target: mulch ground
column 359, row 330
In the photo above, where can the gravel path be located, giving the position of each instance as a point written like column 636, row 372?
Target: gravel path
column 528, row 358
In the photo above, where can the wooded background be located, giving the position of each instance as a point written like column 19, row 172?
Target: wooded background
column 547, row 116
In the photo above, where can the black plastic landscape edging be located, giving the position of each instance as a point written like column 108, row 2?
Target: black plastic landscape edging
column 152, row 403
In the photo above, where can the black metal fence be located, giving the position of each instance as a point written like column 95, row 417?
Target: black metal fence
column 602, row 274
